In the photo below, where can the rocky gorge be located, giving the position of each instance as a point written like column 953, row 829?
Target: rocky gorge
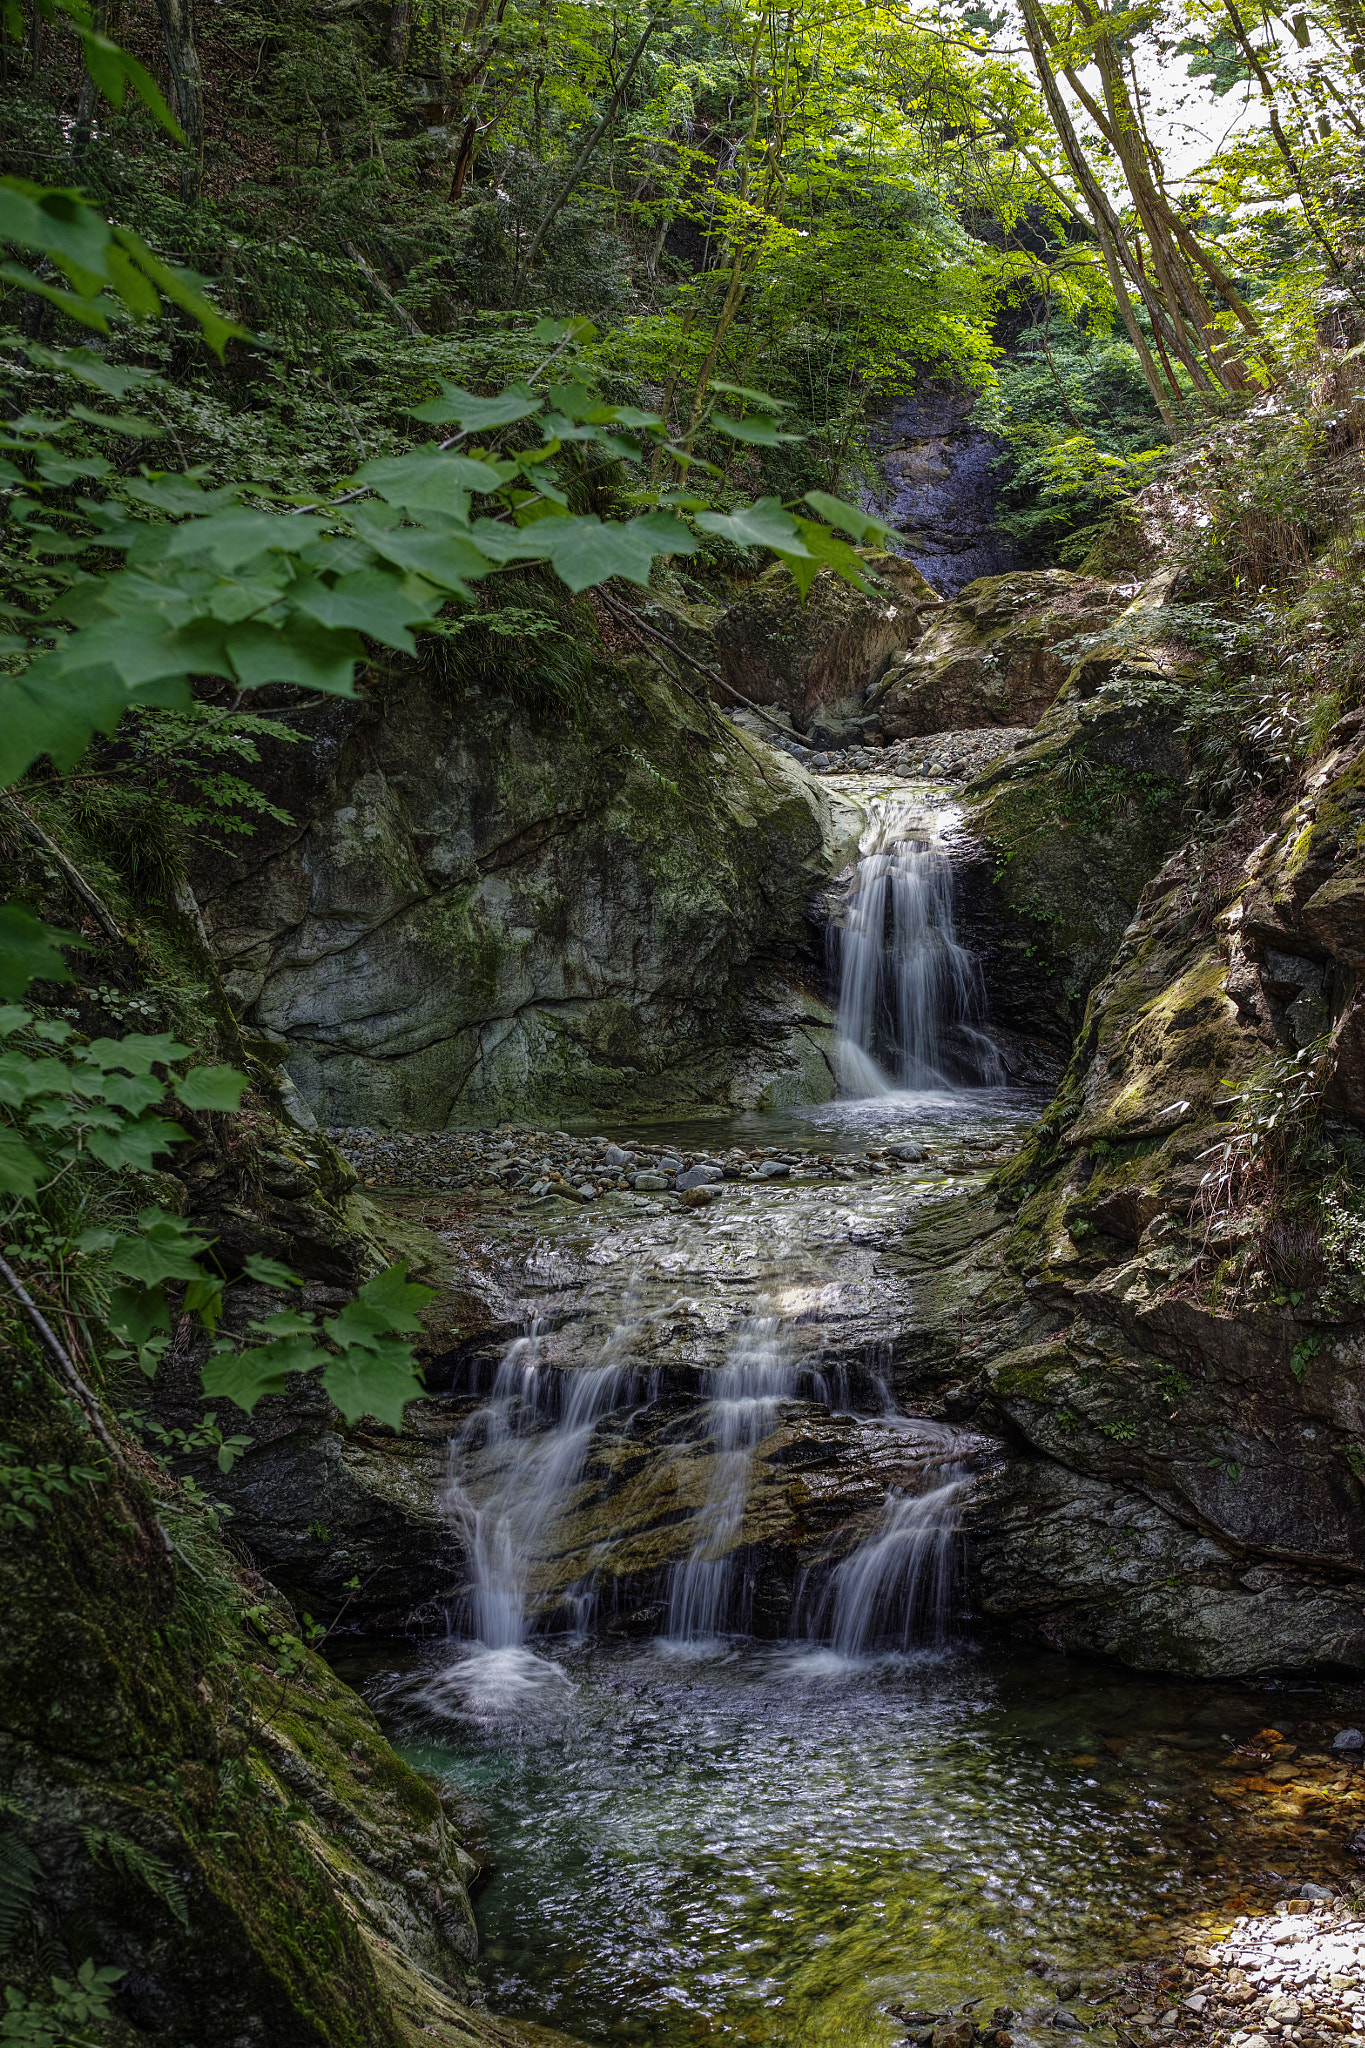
column 823, row 1162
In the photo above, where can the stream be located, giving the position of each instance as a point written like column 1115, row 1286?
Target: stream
column 740, row 1769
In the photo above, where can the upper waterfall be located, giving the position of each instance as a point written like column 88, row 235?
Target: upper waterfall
column 912, row 1004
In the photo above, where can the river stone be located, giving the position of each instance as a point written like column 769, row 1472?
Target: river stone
column 1315, row 1891
column 773, row 1169
column 699, row 1177
column 614, row 1156
column 1285, row 2010
column 651, row 1183
column 912, row 1153
column 1349, row 1738
column 954, row 2033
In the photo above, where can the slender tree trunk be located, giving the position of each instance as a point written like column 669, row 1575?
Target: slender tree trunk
column 400, row 34
column 580, row 162
column 464, row 160
column 1108, row 233
column 177, row 26
column 1169, row 253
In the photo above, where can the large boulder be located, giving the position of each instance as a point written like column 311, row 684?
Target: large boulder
column 489, row 902
column 804, row 657
column 998, row 655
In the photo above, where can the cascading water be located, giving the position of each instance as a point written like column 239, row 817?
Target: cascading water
column 756, row 1376
column 535, row 1430
column 898, row 1585
column 911, row 998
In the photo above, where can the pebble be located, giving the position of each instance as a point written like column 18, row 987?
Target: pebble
column 517, row 1159
column 937, row 757
column 1349, row 1738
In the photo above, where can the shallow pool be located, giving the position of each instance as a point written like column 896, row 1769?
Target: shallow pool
column 768, row 1844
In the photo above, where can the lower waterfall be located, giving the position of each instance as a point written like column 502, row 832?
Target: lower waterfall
column 912, row 1004
column 897, row 1588
column 517, row 1469
column 756, row 1376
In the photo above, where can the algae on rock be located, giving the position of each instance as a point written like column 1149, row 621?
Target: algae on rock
column 489, row 906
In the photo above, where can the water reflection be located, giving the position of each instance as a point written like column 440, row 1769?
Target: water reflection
column 772, row 1845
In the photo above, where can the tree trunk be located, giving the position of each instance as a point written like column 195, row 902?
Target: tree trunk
column 400, row 34
column 1108, row 232
column 177, row 26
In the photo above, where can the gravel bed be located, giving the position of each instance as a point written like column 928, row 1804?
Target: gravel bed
column 939, row 756
column 517, row 1159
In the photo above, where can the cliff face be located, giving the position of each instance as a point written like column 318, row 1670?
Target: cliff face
column 488, row 903
column 1166, row 1291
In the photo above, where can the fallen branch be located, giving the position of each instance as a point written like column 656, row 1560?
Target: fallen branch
column 75, row 879
column 57, row 1351
column 712, row 675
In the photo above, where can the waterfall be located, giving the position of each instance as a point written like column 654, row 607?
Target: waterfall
column 899, row 1584
column 757, row 1375
column 910, row 996
column 534, row 1430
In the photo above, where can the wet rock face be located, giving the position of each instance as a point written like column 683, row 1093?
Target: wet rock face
column 992, row 657
column 939, row 488
column 800, row 658
column 1167, row 1332
column 479, row 910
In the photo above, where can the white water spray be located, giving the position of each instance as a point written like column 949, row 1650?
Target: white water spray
column 538, row 1458
column 898, row 1585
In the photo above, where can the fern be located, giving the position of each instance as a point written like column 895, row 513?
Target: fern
column 130, row 1860
column 20, row 1872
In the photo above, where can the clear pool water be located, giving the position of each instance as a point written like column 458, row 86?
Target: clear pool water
column 737, row 1842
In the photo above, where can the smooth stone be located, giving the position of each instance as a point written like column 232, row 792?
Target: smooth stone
column 913, row 1153
column 699, row 1177
column 1349, row 1738
column 773, row 1169
column 614, row 1156
column 955, row 2033
column 670, row 1163
column 651, row 1183
column 1286, row 2011
column 1314, row 1891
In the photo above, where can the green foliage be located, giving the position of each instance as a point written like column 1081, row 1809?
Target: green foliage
column 1082, row 435
column 366, row 1371
column 48, row 2022
column 107, row 268
column 62, row 1102
column 20, row 1875
column 131, row 1860
column 28, row 1491
column 1302, row 1356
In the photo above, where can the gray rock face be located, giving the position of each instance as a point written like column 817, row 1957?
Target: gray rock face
column 479, row 912
column 939, row 487
column 814, row 661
